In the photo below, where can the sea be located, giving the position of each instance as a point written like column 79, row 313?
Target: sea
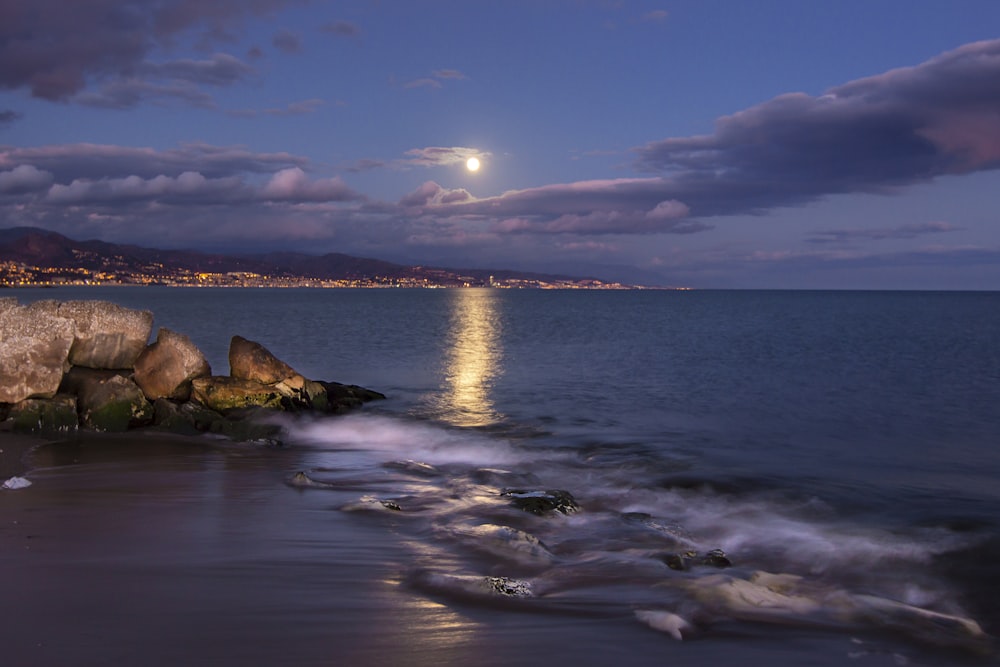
column 645, row 477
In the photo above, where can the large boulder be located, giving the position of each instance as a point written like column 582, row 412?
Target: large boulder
column 34, row 345
column 106, row 400
column 225, row 394
column 249, row 360
column 107, row 335
column 165, row 368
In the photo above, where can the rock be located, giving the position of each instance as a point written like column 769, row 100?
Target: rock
column 249, row 360
column 540, row 502
column 344, row 397
column 166, row 368
column 683, row 561
column 303, row 394
column 503, row 541
column 473, row 585
column 34, row 345
column 367, row 503
column 45, row 415
column 183, row 418
column 225, row 394
column 108, row 336
column 107, row 400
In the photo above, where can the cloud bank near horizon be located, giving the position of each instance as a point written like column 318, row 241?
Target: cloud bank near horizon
column 878, row 134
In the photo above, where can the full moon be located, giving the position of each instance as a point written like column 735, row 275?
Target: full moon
column 472, row 164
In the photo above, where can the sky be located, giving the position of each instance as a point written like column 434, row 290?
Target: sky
column 697, row 143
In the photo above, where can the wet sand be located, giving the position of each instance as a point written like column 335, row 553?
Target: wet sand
column 14, row 449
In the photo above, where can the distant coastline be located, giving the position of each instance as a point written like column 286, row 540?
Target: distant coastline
column 31, row 257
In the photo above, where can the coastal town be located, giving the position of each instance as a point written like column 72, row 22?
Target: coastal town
column 19, row 274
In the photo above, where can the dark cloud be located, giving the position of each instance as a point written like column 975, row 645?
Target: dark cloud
column 899, row 128
column 56, row 48
column 341, row 29
column 221, row 69
column 287, row 41
column 129, row 93
column 24, row 178
column 8, row 117
column 845, row 236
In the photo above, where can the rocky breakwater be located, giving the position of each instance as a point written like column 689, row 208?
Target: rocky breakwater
column 89, row 364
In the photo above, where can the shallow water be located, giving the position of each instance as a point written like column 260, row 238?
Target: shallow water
column 845, row 438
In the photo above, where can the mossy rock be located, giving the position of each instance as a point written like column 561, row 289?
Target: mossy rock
column 45, row 415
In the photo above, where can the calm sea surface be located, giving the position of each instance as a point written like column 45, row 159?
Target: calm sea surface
column 851, row 439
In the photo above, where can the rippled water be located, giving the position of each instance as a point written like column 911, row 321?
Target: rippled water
column 848, row 439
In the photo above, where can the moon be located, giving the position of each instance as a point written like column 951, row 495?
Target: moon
column 472, row 164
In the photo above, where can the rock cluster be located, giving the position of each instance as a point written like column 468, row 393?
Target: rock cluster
column 65, row 365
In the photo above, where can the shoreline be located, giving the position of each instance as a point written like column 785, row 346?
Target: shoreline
column 14, row 447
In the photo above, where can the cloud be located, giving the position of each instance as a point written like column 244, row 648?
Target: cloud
column 24, row 178
column 439, row 156
column 656, row 15
column 912, row 231
column 430, row 193
column 621, row 206
column 448, row 74
column 188, row 187
column 97, row 161
column 341, row 29
column 299, row 108
column 875, row 134
column 129, row 93
column 56, row 48
column 8, row 117
column 422, row 83
column 438, row 75
column 294, row 185
column 287, row 41
column 221, row 69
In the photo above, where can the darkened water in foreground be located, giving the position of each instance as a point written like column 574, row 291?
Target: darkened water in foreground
column 849, row 439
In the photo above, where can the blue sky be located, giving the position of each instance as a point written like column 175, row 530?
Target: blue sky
column 721, row 143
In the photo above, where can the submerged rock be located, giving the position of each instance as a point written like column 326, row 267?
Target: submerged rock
column 503, row 541
column 542, row 502
column 474, row 585
column 372, row 503
column 684, row 561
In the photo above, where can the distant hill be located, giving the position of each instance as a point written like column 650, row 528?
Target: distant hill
column 41, row 248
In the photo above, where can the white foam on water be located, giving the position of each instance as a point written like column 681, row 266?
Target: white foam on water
column 382, row 439
column 775, row 530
